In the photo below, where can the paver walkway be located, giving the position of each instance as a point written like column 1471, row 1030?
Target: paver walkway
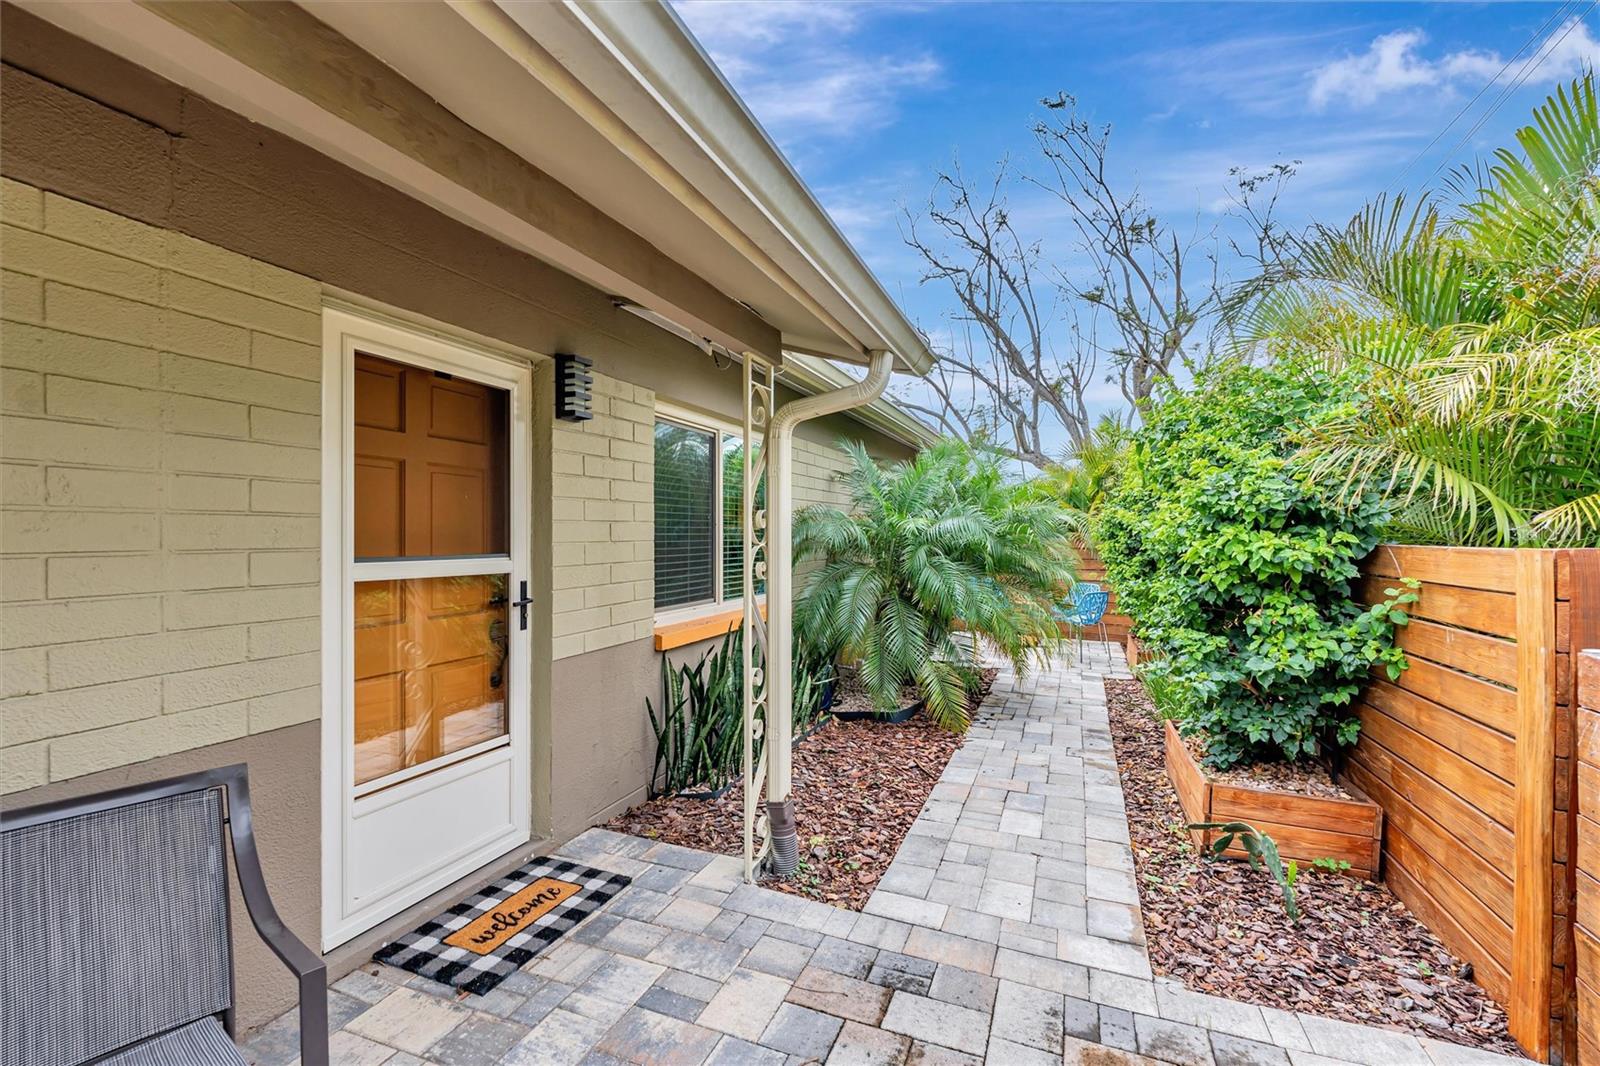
column 1007, row 930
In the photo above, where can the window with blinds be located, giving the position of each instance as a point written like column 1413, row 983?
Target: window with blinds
column 699, row 530
column 686, row 478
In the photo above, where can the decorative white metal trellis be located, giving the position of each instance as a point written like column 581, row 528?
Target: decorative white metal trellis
column 758, row 409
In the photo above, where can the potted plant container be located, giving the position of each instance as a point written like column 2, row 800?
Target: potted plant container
column 904, row 714
column 1306, row 828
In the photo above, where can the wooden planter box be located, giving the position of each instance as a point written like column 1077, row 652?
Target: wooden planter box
column 1305, row 828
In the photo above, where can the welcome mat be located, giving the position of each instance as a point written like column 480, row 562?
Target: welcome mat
column 489, row 935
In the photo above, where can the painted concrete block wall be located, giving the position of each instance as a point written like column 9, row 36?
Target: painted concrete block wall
column 159, row 451
column 603, row 522
column 818, row 474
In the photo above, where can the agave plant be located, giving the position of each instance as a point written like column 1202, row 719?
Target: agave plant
column 933, row 546
column 1478, row 318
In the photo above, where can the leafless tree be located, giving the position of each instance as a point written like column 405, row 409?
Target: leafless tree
column 1002, row 386
column 1134, row 310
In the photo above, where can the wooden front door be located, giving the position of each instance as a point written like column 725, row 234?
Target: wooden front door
column 433, row 744
column 430, row 483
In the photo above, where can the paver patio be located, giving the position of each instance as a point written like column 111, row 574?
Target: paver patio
column 1007, row 930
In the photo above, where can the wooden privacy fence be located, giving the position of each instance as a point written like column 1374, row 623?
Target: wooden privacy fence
column 1470, row 755
column 1586, row 910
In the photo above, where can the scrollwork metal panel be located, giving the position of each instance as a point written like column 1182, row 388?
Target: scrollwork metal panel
column 758, row 401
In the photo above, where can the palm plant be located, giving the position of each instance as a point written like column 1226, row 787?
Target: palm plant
column 1479, row 328
column 1086, row 474
column 931, row 546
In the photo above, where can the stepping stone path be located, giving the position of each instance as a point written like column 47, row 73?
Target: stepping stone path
column 1006, row 931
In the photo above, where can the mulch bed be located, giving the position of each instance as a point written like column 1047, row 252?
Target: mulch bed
column 1218, row 926
column 850, row 695
column 858, row 787
column 1300, row 778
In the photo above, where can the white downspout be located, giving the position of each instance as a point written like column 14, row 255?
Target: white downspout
column 780, row 593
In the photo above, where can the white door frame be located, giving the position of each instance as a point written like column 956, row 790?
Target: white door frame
column 344, row 913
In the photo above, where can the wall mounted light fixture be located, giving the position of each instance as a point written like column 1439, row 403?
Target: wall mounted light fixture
column 574, row 388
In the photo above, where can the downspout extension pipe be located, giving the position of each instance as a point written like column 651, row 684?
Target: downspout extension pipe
column 780, row 595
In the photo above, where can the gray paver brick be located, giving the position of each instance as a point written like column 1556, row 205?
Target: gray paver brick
column 934, row 1022
column 745, row 1004
column 842, row 956
column 948, row 948
column 547, row 998
column 562, row 1038
column 1117, row 1029
column 697, row 954
column 731, row 1051
column 1010, row 1053
column 673, row 1004
column 1185, row 1045
column 862, row 1045
column 963, row 988
column 479, row 1041
column 841, row 996
column 798, row 1030
column 645, row 1036
column 1236, row 1051
column 409, row 1020
column 923, row 1054
column 778, row 957
column 688, row 915
column 1027, row 1015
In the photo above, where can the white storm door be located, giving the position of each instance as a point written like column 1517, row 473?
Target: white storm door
column 426, row 617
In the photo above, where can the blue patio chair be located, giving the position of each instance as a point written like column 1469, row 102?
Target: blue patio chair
column 1085, row 606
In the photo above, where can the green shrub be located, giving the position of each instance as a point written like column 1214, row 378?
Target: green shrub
column 1237, row 568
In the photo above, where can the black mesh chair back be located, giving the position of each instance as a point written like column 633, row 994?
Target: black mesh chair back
column 114, row 928
column 114, row 924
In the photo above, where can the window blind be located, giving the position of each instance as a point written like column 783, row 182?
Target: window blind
column 732, row 520
column 685, row 482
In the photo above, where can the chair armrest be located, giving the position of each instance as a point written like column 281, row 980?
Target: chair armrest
column 305, row 964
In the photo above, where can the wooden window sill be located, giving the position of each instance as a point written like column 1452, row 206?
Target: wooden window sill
column 704, row 627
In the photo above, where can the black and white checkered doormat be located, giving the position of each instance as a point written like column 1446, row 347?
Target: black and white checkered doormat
column 489, row 935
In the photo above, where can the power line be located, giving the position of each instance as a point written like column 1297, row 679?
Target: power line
column 1554, row 18
column 1534, row 62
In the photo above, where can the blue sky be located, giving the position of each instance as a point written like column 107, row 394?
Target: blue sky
column 867, row 99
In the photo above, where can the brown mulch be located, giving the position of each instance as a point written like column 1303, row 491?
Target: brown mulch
column 858, row 786
column 851, row 695
column 1303, row 779
column 1218, row 926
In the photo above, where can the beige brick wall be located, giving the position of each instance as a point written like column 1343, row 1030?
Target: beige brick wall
column 818, row 475
column 603, row 516
column 159, row 451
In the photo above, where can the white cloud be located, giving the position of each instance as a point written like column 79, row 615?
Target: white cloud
column 1394, row 63
column 802, row 69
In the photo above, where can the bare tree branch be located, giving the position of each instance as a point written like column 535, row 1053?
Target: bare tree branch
column 1147, row 289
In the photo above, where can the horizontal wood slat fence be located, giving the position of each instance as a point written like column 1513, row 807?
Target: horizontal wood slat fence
column 1586, row 925
column 1470, row 754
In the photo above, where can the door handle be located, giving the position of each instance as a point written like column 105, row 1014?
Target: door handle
column 521, row 604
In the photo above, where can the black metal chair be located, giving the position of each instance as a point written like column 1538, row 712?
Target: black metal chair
column 114, row 928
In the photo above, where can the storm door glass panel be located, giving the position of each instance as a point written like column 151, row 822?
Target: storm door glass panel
column 430, row 669
column 431, row 512
column 685, row 483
